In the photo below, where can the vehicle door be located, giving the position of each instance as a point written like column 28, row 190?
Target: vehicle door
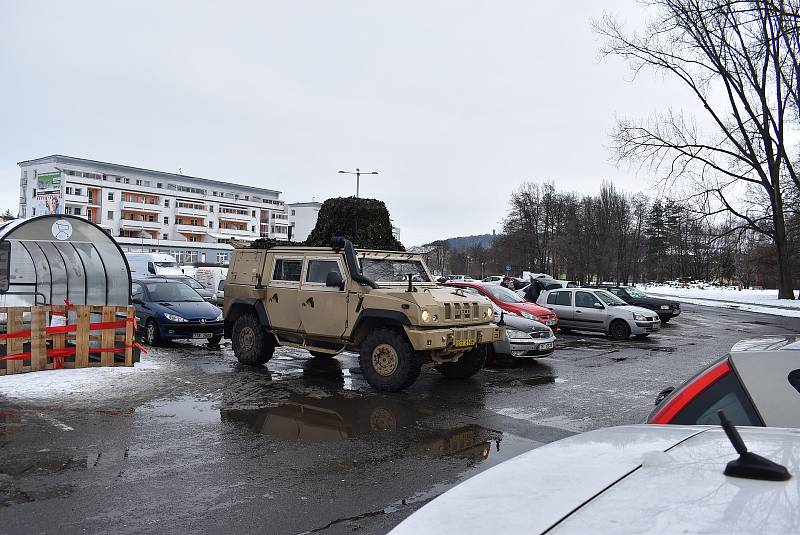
column 560, row 302
column 322, row 308
column 590, row 312
column 138, row 298
column 282, row 292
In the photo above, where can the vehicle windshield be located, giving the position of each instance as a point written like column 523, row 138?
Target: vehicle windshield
column 393, row 270
column 609, row 298
column 166, row 264
column 172, row 291
column 633, row 292
column 502, row 294
column 191, row 283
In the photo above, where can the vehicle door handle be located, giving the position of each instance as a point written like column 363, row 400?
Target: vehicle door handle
column 578, row 312
column 274, row 298
column 310, row 302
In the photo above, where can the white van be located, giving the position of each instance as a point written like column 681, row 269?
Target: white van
column 209, row 277
column 150, row 264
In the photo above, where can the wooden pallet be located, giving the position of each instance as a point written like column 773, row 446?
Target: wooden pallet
column 27, row 343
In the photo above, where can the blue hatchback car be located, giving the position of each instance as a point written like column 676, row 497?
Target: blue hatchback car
column 171, row 310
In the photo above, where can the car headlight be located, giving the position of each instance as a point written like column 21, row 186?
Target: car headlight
column 514, row 334
column 528, row 315
column 174, row 317
column 664, row 307
column 218, row 318
column 426, row 316
column 639, row 317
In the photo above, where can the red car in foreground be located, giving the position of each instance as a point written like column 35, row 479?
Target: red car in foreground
column 510, row 302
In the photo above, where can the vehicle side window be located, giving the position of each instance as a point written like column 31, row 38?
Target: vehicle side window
column 318, row 270
column 560, row 298
column 725, row 394
column 137, row 292
column 585, row 300
column 287, row 270
column 151, row 268
column 221, row 285
column 619, row 292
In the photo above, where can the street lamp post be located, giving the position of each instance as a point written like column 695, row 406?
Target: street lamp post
column 358, row 172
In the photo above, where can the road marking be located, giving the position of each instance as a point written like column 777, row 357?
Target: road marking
column 55, row 423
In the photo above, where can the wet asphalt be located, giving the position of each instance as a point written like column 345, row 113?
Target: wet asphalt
column 303, row 445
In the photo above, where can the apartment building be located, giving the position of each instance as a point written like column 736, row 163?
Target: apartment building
column 192, row 218
column 302, row 219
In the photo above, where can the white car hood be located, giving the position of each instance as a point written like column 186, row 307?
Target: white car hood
column 619, row 480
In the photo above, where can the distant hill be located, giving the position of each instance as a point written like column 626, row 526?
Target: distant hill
column 463, row 242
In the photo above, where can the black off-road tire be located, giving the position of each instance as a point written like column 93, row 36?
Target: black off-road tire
column 619, row 330
column 392, row 376
column 252, row 345
column 665, row 319
column 152, row 336
column 468, row 365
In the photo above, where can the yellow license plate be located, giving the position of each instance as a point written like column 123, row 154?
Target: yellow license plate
column 464, row 342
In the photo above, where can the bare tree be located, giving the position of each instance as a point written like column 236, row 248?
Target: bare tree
column 739, row 60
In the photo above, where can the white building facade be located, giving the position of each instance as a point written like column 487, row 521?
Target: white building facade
column 192, row 218
column 302, row 219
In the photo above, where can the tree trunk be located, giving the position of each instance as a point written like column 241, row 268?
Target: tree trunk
column 785, row 289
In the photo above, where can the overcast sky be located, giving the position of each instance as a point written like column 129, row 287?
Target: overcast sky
column 454, row 103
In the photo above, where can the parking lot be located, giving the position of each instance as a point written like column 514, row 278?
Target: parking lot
column 189, row 440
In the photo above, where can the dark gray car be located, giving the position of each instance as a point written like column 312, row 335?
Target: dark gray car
column 524, row 338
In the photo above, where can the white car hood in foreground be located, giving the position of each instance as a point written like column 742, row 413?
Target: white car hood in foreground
column 620, row 480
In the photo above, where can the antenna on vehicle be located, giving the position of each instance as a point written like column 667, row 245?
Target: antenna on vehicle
column 749, row 465
column 502, row 318
column 410, row 286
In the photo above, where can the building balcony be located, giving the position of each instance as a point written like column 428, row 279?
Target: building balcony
column 233, row 232
column 191, row 211
column 191, row 229
column 141, row 206
column 76, row 199
column 135, row 224
column 234, row 217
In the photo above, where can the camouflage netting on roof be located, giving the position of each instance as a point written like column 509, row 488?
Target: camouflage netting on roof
column 365, row 222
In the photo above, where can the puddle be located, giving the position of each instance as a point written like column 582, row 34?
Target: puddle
column 186, row 410
column 539, row 380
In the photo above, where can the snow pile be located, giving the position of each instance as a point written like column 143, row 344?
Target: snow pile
column 62, row 384
column 761, row 301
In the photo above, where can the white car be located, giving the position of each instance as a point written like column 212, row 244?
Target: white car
column 588, row 309
column 493, row 279
column 630, row 479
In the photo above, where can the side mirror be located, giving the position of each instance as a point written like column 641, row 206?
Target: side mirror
column 598, row 305
column 334, row 280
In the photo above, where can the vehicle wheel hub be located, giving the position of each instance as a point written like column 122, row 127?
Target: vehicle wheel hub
column 247, row 339
column 151, row 332
column 385, row 360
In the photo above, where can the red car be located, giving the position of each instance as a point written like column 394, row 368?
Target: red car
column 510, row 302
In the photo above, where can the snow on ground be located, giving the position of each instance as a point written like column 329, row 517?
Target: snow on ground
column 61, row 384
column 760, row 301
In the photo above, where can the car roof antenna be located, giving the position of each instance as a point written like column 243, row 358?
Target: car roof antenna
column 749, row 465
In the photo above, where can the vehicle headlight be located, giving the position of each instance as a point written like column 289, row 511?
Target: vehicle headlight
column 528, row 315
column 639, row 317
column 664, row 307
column 514, row 334
column 174, row 317
column 218, row 318
column 489, row 312
column 426, row 316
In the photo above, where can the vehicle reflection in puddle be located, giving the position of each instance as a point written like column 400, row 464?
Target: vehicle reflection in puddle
column 190, row 410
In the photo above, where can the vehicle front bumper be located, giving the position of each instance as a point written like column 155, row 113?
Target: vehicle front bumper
column 454, row 339
column 670, row 313
column 644, row 327
column 178, row 331
column 525, row 347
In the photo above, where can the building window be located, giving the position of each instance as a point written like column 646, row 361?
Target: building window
column 211, row 209
column 138, row 182
column 253, row 228
column 210, row 224
column 159, row 185
column 166, row 203
column 110, row 196
column 78, row 191
column 293, row 213
column 165, row 236
column 110, row 215
column 222, row 258
column 166, row 221
column 68, row 190
column 68, row 210
column 126, row 180
column 77, row 210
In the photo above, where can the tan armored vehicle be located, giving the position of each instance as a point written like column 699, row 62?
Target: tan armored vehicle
column 382, row 304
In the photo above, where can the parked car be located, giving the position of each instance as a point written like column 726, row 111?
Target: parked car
column 628, row 479
column 494, row 279
column 524, row 338
column 458, row 277
column 587, row 309
column 194, row 284
column 170, row 310
column 665, row 308
column 219, row 298
column 510, row 302
column 147, row 264
column 756, row 383
column 209, row 277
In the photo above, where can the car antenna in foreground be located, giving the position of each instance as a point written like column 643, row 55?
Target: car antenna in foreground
column 749, row 465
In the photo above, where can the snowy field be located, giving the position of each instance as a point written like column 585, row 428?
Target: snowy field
column 761, row 301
